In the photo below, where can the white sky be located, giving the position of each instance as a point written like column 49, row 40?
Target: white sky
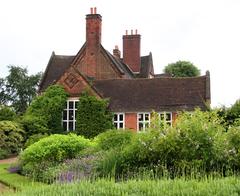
column 205, row 32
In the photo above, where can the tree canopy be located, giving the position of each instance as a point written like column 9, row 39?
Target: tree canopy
column 18, row 88
column 45, row 112
column 182, row 69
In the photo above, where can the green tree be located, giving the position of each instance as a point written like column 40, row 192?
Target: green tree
column 182, row 69
column 6, row 113
column 18, row 88
column 93, row 116
column 45, row 112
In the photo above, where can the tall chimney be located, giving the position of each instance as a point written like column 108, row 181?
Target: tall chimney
column 93, row 41
column 131, row 50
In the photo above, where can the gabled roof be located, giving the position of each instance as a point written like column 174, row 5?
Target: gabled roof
column 56, row 66
column 159, row 94
column 146, row 66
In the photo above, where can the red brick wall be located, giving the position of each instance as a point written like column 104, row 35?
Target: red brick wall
column 131, row 51
column 131, row 121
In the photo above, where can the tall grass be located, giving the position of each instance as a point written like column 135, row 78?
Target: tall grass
column 229, row 186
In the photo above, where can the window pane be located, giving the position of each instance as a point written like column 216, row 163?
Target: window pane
column 65, row 126
column 70, row 104
column 168, row 123
column 140, row 117
column 147, row 117
column 66, row 105
column 115, row 125
column 168, row 116
column 70, row 114
column 120, row 125
column 140, row 126
column 115, row 117
column 120, row 117
column 70, row 126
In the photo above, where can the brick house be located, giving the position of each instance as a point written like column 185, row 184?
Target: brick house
column 129, row 81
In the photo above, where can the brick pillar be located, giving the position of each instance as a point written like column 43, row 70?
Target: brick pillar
column 93, row 42
column 131, row 50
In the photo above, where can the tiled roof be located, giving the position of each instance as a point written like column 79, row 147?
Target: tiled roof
column 159, row 94
column 55, row 68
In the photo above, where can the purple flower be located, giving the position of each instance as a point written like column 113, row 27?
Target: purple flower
column 14, row 169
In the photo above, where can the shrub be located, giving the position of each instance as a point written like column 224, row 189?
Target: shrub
column 93, row 117
column 47, row 109
column 114, row 139
column 11, row 136
column 50, row 151
column 6, row 113
column 3, row 153
column 33, row 139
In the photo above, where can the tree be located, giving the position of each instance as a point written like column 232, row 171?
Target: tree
column 18, row 88
column 182, row 69
column 6, row 113
column 45, row 112
column 93, row 116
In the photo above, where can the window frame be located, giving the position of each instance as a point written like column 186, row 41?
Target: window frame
column 144, row 122
column 118, row 121
column 166, row 121
column 73, row 110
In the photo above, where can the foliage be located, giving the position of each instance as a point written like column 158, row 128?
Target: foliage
column 18, row 88
column 195, row 142
column 92, row 116
column 3, row 153
column 182, row 69
column 50, row 151
column 6, row 113
column 140, row 187
column 11, row 136
column 46, row 111
column 230, row 115
column 33, row 139
column 114, row 139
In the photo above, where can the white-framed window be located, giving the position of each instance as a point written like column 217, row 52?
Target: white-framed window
column 166, row 118
column 119, row 120
column 143, row 121
column 69, row 115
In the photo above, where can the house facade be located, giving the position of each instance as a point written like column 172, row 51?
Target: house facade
column 127, row 80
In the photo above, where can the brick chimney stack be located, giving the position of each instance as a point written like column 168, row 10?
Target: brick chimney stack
column 131, row 50
column 117, row 52
column 93, row 40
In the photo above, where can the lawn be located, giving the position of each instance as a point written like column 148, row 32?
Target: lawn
column 15, row 181
column 206, row 187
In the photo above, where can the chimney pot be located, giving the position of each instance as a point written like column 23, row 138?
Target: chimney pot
column 95, row 10
column 91, row 10
column 126, row 32
column 136, row 31
column 131, row 32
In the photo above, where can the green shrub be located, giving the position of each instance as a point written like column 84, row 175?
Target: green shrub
column 196, row 142
column 3, row 153
column 47, row 109
column 55, row 148
column 34, row 125
column 93, row 117
column 6, row 113
column 50, row 151
column 114, row 139
column 11, row 136
column 33, row 139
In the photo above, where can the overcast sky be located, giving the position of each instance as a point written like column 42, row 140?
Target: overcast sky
column 204, row 32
